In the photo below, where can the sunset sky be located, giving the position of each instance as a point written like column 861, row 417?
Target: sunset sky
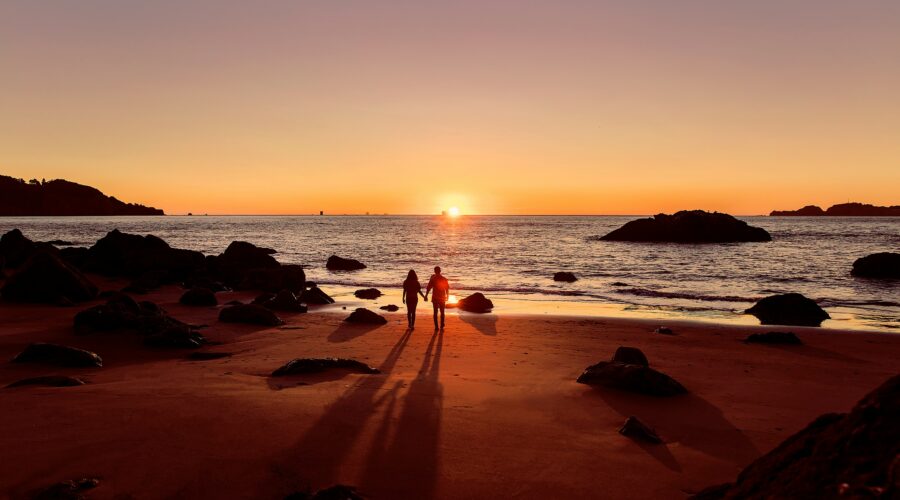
column 539, row 107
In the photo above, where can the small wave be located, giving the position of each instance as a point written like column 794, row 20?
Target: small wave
column 644, row 292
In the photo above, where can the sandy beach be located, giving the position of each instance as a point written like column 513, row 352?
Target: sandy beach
column 487, row 408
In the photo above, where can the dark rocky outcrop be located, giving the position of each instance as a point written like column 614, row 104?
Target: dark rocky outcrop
column 303, row 366
column 253, row 314
column 244, row 255
column 884, row 265
column 782, row 338
column 284, row 300
column 314, row 295
column 15, row 248
column 855, row 455
column 273, row 279
column 634, row 377
column 842, row 210
column 693, row 226
column 476, row 303
column 365, row 316
column 368, row 293
column 565, row 276
column 336, row 263
column 121, row 313
column 72, row 489
column 336, row 492
column 60, row 355
column 61, row 198
column 49, row 381
column 788, row 309
column 630, row 356
column 132, row 255
column 45, row 278
column 635, row 429
column 200, row 297
column 390, row 308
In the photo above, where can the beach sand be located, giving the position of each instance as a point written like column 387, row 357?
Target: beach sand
column 487, row 409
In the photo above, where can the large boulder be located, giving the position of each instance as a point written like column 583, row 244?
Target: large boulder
column 565, row 276
column 855, row 455
column 253, row 314
column 303, row 366
column 201, row 297
column 243, row 255
column 884, row 265
column 132, row 255
column 476, row 303
column 368, row 293
column 46, row 278
column 121, row 313
column 630, row 371
column 314, row 295
column 365, row 316
column 60, row 355
column 336, row 263
column 788, row 309
column 689, row 226
column 15, row 248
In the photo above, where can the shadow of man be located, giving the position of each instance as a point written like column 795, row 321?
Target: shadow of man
column 408, row 465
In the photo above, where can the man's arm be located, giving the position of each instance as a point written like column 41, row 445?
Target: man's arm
column 428, row 287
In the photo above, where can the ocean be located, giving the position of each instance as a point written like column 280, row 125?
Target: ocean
column 512, row 260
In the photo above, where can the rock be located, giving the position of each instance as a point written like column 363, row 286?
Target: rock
column 74, row 256
column 884, row 265
column 630, row 356
column 787, row 338
column 49, row 381
column 336, row 492
column 60, row 355
column 15, row 248
column 336, row 263
column 664, row 330
column 368, row 293
column 207, row 356
column 122, row 313
column 851, row 455
column 390, row 308
column 285, row 300
column 46, row 278
column 633, row 378
column 244, row 255
column 689, row 226
column 123, row 254
column 303, row 366
column 253, row 314
column 273, row 279
column 314, row 295
column 476, row 303
column 365, row 316
column 67, row 490
column 565, row 276
column 788, row 309
column 200, row 297
column 636, row 429
column 149, row 280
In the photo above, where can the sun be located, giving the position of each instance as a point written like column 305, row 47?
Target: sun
column 453, row 211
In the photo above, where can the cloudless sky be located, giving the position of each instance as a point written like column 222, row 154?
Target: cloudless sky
column 348, row 106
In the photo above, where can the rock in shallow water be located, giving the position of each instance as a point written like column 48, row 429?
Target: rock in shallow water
column 689, row 226
column 253, row 314
column 49, row 381
column 303, row 366
column 60, row 355
column 788, row 309
column 336, row 263
column 364, row 316
column 884, row 265
column 565, row 276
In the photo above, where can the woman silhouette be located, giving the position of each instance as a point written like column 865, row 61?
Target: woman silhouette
column 411, row 291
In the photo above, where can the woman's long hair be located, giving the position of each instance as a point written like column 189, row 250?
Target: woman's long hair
column 411, row 278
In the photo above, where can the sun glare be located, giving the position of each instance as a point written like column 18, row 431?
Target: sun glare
column 453, row 211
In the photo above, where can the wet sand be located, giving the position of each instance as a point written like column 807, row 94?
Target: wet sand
column 487, row 408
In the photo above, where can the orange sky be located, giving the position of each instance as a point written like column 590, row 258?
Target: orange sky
column 410, row 107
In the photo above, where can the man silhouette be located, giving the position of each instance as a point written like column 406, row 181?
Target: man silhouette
column 441, row 288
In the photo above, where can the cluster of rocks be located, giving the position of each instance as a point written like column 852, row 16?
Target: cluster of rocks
column 689, row 226
column 630, row 371
column 121, row 313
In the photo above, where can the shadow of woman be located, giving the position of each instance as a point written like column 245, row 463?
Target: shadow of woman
column 484, row 323
column 318, row 455
column 408, row 465
column 346, row 332
column 687, row 419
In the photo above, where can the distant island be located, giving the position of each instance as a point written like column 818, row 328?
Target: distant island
column 841, row 210
column 60, row 198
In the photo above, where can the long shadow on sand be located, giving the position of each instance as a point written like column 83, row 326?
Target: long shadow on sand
column 346, row 332
column 407, row 466
column 687, row 419
column 318, row 455
column 484, row 323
